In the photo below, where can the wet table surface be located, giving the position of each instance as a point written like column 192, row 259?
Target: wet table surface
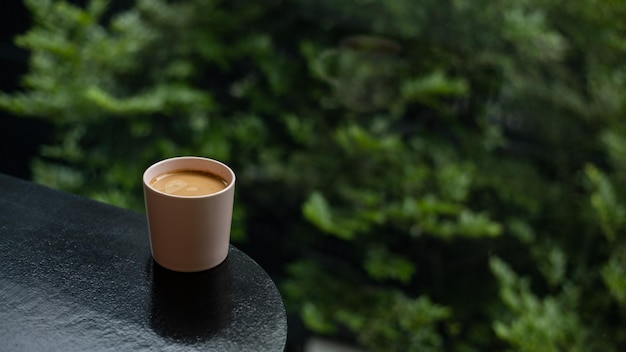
column 77, row 275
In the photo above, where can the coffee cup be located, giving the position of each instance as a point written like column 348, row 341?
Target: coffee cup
column 189, row 215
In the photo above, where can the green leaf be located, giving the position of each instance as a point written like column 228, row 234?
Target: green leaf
column 614, row 275
column 315, row 319
column 455, row 180
column 381, row 264
column 431, row 88
column 478, row 225
column 317, row 211
column 609, row 210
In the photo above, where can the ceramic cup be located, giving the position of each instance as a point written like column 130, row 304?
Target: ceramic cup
column 189, row 233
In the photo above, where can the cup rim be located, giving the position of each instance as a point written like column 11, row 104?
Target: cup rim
column 229, row 186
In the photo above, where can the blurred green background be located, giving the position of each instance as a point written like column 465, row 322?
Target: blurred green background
column 415, row 175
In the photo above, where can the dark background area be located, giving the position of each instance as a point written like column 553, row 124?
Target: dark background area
column 20, row 137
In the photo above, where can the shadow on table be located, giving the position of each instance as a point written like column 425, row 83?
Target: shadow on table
column 190, row 307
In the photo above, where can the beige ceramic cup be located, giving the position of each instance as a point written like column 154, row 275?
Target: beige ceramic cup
column 189, row 233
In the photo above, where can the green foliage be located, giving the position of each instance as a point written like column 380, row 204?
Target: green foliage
column 382, row 319
column 540, row 324
column 453, row 181
column 603, row 200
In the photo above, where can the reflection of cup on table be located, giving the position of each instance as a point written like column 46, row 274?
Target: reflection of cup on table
column 190, row 307
column 189, row 205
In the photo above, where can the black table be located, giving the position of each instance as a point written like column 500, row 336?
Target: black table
column 77, row 275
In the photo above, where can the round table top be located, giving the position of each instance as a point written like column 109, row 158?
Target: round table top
column 77, row 275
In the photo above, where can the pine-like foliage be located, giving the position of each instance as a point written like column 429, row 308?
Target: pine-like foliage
column 451, row 179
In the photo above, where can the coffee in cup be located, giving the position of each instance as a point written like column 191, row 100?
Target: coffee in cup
column 188, row 183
